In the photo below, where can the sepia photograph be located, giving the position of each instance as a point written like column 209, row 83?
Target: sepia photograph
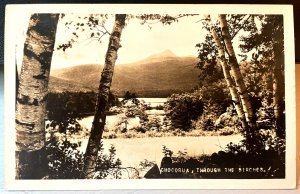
column 135, row 92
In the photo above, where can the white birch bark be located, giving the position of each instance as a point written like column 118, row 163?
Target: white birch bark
column 236, row 73
column 32, row 93
column 226, row 72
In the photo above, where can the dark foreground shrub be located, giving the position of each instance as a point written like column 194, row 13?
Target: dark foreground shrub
column 65, row 161
column 268, row 161
column 107, row 166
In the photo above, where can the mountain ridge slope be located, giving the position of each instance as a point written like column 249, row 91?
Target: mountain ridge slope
column 169, row 73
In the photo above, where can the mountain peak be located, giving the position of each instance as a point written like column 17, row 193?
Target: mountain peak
column 168, row 53
column 163, row 54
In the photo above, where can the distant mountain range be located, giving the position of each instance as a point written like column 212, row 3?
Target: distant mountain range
column 157, row 75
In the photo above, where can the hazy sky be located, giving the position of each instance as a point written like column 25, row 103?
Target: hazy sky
column 138, row 41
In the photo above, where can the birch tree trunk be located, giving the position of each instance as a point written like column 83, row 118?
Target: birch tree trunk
column 31, row 97
column 94, row 142
column 226, row 71
column 236, row 74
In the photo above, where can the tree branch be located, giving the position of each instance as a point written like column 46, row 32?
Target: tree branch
column 162, row 17
column 237, row 31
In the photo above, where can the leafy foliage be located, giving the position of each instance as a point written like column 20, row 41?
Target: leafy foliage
column 70, row 104
column 215, row 97
column 131, row 96
column 153, row 123
column 240, row 22
column 262, row 37
column 92, row 24
column 66, row 161
column 266, row 44
column 146, row 164
column 206, row 122
column 228, row 119
column 216, row 101
column 266, row 73
column 65, row 108
column 167, row 152
column 134, row 108
column 108, row 165
column 205, row 105
column 211, row 70
column 164, row 19
column 208, row 51
column 182, row 109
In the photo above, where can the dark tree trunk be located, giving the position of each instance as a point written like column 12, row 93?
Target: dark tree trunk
column 94, row 143
column 278, row 91
column 31, row 96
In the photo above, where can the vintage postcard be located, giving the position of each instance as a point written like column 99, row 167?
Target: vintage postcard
column 113, row 96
